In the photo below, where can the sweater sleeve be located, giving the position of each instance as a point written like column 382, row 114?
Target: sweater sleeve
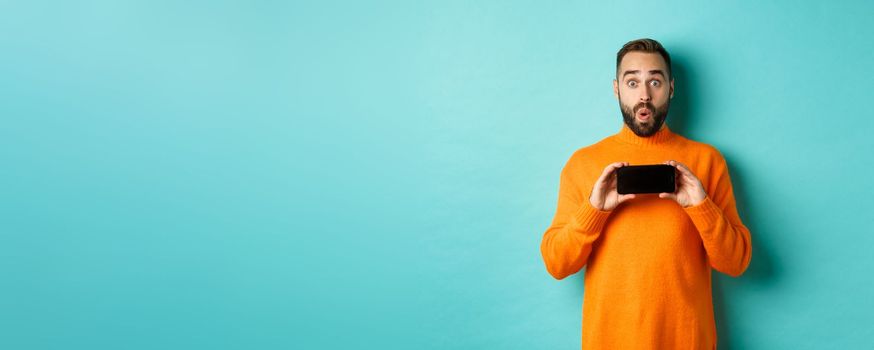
column 577, row 224
column 726, row 239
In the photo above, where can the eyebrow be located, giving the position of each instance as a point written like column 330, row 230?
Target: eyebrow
column 653, row 72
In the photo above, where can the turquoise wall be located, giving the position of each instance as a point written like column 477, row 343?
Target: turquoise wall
column 269, row 175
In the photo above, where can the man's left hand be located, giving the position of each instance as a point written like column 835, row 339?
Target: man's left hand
column 690, row 191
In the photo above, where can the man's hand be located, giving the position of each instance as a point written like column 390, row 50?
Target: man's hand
column 690, row 192
column 604, row 196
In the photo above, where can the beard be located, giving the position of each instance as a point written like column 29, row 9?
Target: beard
column 649, row 127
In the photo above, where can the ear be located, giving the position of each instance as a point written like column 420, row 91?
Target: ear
column 672, row 88
column 616, row 88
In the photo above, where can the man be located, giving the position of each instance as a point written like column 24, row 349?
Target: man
column 648, row 257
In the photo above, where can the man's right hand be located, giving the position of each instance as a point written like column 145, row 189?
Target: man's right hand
column 604, row 196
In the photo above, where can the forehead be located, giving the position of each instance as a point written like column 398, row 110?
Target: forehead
column 643, row 62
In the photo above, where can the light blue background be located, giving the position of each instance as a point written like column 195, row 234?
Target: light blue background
column 325, row 175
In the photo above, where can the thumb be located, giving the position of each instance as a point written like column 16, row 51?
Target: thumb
column 668, row 195
column 625, row 197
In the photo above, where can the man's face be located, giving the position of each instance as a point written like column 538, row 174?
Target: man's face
column 643, row 91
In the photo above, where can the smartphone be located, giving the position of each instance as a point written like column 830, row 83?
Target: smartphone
column 654, row 178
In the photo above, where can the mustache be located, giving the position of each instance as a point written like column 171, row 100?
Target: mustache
column 648, row 106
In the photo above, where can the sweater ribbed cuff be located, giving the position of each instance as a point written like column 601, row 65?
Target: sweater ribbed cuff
column 705, row 214
column 589, row 219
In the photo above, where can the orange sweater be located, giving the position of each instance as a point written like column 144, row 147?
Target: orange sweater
column 648, row 261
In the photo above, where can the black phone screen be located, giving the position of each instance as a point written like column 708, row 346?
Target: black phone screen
column 655, row 178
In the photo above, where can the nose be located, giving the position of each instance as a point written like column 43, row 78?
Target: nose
column 644, row 94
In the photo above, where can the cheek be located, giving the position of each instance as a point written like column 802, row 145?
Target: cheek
column 625, row 96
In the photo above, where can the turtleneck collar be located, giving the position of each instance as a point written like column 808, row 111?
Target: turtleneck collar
column 660, row 137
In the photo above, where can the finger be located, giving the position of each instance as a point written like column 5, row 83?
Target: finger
column 678, row 172
column 668, row 195
column 673, row 163
column 609, row 170
column 685, row 175
column 683, row 168
column 688, row 179
column 625, row 197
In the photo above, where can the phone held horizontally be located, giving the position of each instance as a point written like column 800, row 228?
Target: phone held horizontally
column 654, row 178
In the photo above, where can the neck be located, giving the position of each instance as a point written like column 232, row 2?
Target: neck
column 660, row 137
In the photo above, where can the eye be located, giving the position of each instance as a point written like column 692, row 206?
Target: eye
column 632, row 83
column 655, row 83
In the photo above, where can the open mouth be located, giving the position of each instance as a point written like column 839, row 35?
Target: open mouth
column 644, row 114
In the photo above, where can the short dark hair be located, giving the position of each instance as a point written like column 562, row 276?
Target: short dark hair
column 644, row 45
